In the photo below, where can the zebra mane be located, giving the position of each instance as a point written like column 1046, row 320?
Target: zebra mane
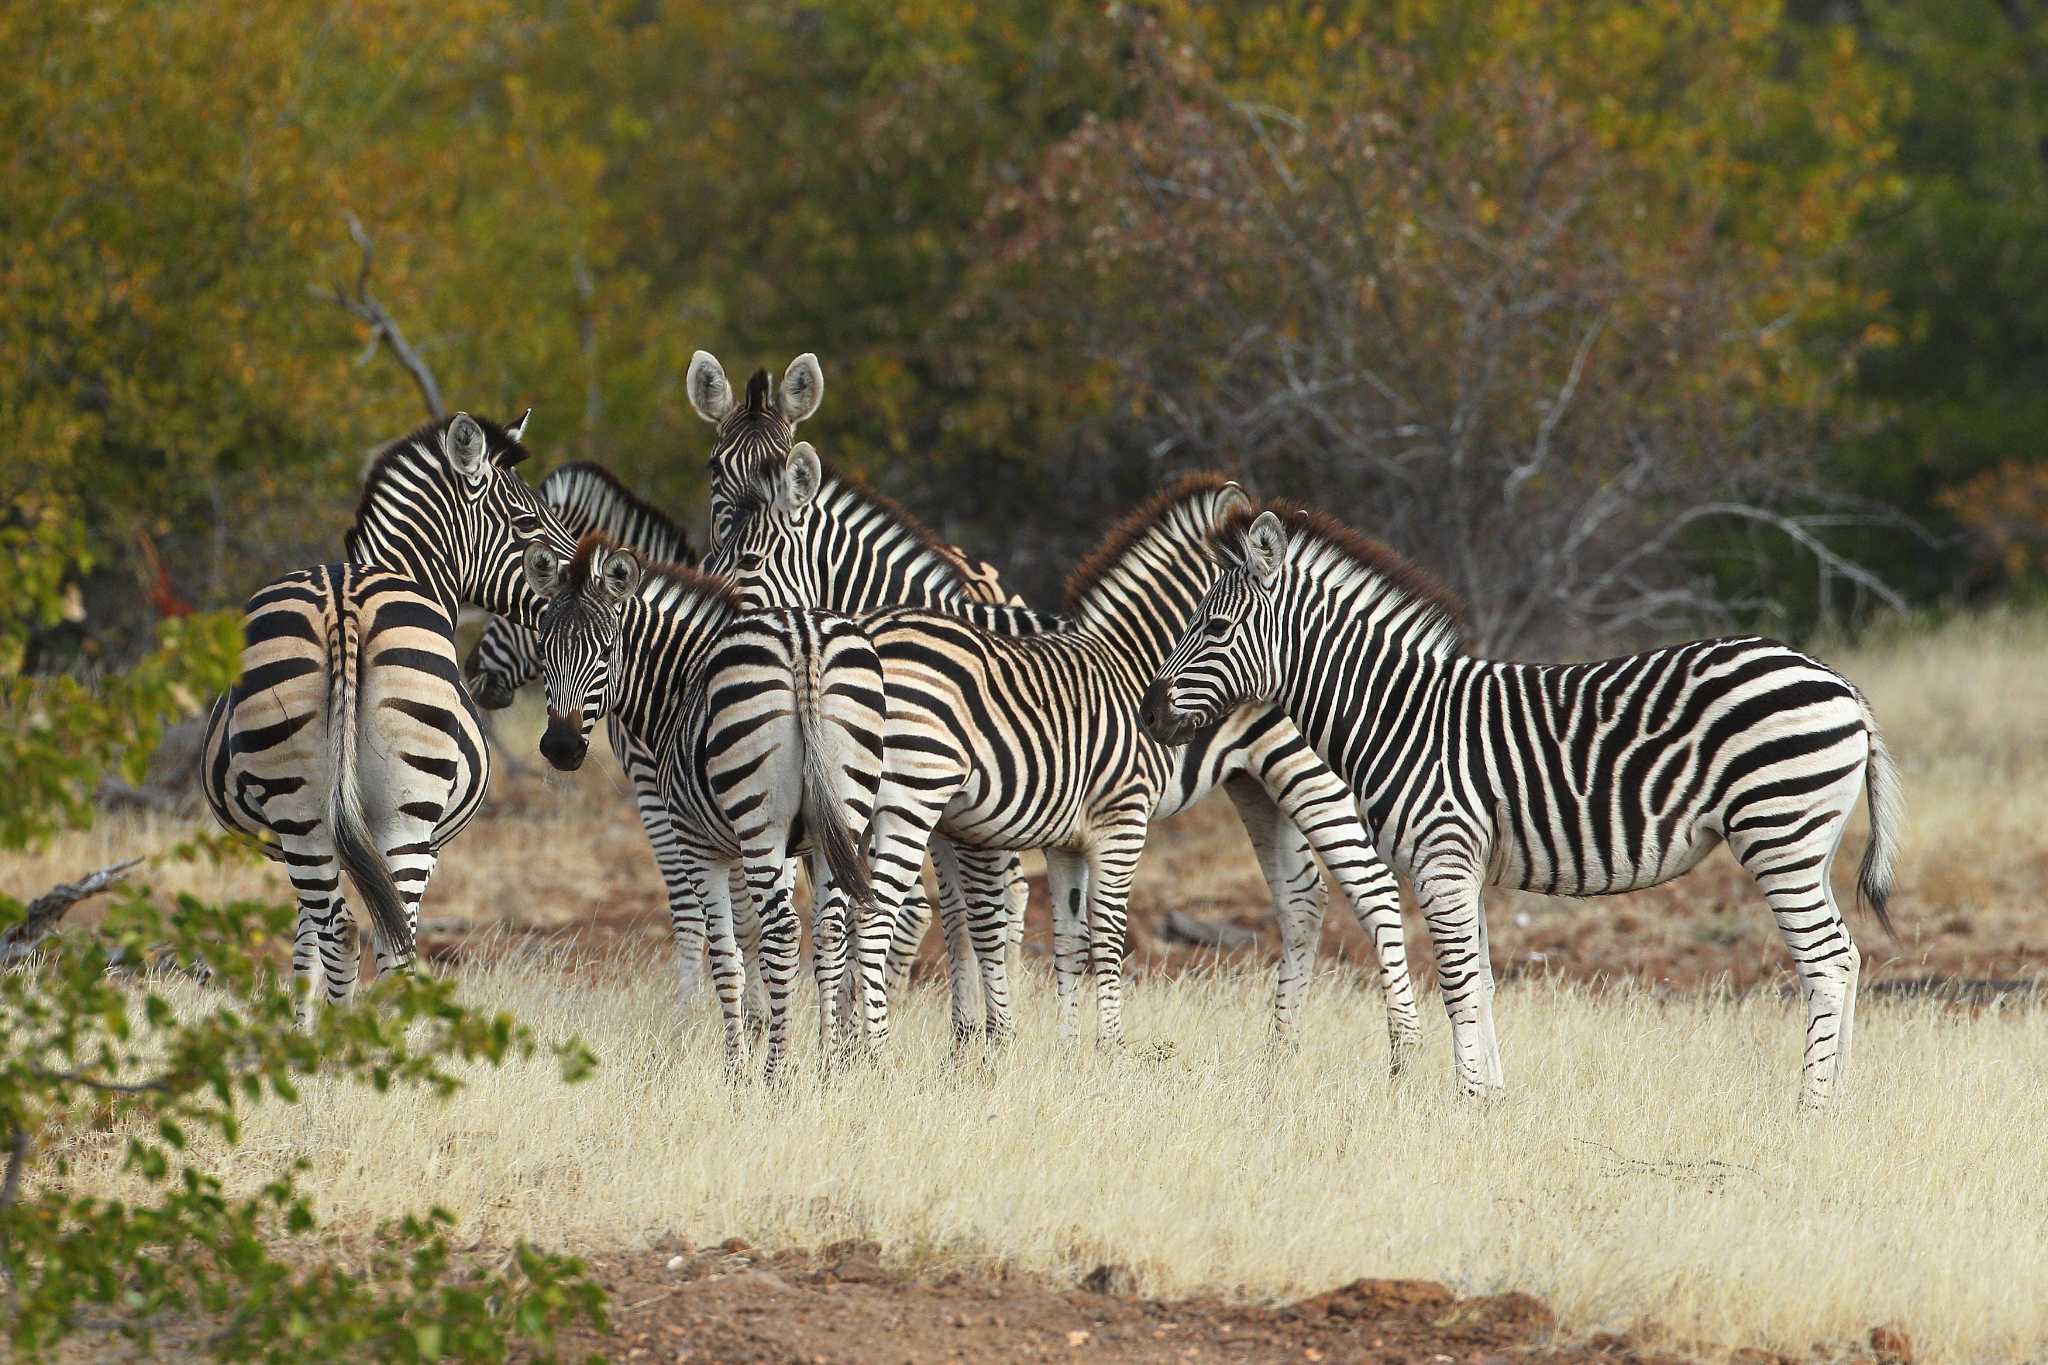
column 1319, row 541
column 564, row 478
column 757, row 393
column 425, row 441
column 675, row 580
column 761, row 490
column 1101, row 563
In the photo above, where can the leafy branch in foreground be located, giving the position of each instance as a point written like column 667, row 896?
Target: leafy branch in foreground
column 97, row 1050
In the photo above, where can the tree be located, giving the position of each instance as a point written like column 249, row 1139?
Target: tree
column 1517, row 291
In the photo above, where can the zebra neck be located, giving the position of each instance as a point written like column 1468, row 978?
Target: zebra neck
column 1366, row 696
column 587, row 498
column 663, row 643
column 408, row 523
column 868, row 560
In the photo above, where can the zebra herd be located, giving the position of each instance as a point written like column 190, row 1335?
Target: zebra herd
column 832, row 683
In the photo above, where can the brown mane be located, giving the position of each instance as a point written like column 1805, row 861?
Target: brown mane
column 1400, row 575
column 1131, row 529
column 710, row 587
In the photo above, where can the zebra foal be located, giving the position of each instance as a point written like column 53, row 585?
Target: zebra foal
column 1565, row 779
column 348, row 735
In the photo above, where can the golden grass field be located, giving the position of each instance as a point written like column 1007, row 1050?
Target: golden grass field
column 1647, row 1166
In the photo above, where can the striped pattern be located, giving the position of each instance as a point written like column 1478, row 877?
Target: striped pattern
column 585, row 497
column 1565, row 779
column 767, row 734
column 1005, row 742
column 348, row 737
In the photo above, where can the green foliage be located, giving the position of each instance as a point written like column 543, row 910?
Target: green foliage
column 96, row 1046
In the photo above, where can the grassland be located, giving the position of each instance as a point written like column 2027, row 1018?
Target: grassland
column 1647, row 1166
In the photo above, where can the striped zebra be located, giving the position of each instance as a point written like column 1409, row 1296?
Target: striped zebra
column 1565, row 779
column 584, row 496
column 767, row 732
column 348, row 735
column 587, row 497
column 756, row 433
column 1005, row 742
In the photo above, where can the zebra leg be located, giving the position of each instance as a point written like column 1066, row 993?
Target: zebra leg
column 1016, row 900
column 747, row 929
column 960, row 956
column 411, row 854
column 1113, row 863
column 712, row 888
column 773, row 879
column 912, row 919
column 685, row 912
column 317, row 938
column 1067, row 876
column 1296, row 882
column 1790, row 854
column 898, row 837
column 828, row 956
column 987, row 878
column 1449, row 892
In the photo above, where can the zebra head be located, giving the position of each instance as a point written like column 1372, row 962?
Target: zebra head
column 1229, row 654
column 752, row 432
column 767, row 554
column 578, row 640
column 504, row 659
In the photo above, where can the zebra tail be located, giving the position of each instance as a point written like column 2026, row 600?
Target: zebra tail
column 359, row 854
column 1887, row 803
column 824, row 813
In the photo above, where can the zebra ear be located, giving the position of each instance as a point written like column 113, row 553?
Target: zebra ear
column 464, row 442
column 517, row 431
column 543, row 569
column 802, row 477
column 803, row 386
column 1232, row 498
column 621, row 574
column 710, row 395
column 1265, row 549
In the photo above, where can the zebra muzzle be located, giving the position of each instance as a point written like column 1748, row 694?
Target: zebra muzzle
column 562, row 743
column 1159, row 717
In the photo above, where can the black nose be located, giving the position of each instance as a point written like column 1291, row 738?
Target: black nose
column 1155, row 713
column 491, row 694
column 562, row 744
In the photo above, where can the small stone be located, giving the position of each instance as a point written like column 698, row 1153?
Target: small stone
column 1078, row 1337
column 678, row 1262
column 1892, row 1345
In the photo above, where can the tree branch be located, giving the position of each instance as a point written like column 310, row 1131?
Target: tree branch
column 46, row 910
column 384, row 331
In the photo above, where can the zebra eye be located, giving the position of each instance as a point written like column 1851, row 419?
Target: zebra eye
column 752, row 563
column 1218, row 627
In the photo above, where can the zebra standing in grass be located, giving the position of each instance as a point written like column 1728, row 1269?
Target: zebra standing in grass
column 767, row 730
column 588, row 497
column 1567, row 779
column 348, row 734
column 1004, row 742
column 756, row 433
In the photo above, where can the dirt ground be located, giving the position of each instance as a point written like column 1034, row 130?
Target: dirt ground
column 731, row 1303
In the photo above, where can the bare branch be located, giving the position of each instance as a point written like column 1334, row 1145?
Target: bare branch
column 46, row 910
column 384, row 330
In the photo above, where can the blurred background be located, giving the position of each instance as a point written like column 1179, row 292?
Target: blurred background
column 1626, row 318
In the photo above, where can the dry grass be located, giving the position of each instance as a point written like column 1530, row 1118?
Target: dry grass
column 1647, row 1164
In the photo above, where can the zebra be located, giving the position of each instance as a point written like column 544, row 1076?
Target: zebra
column 348, row 735
column 767, row 729
column 586, row 496
column 1565, row 779
column 756, row 432
column 1034, row 742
